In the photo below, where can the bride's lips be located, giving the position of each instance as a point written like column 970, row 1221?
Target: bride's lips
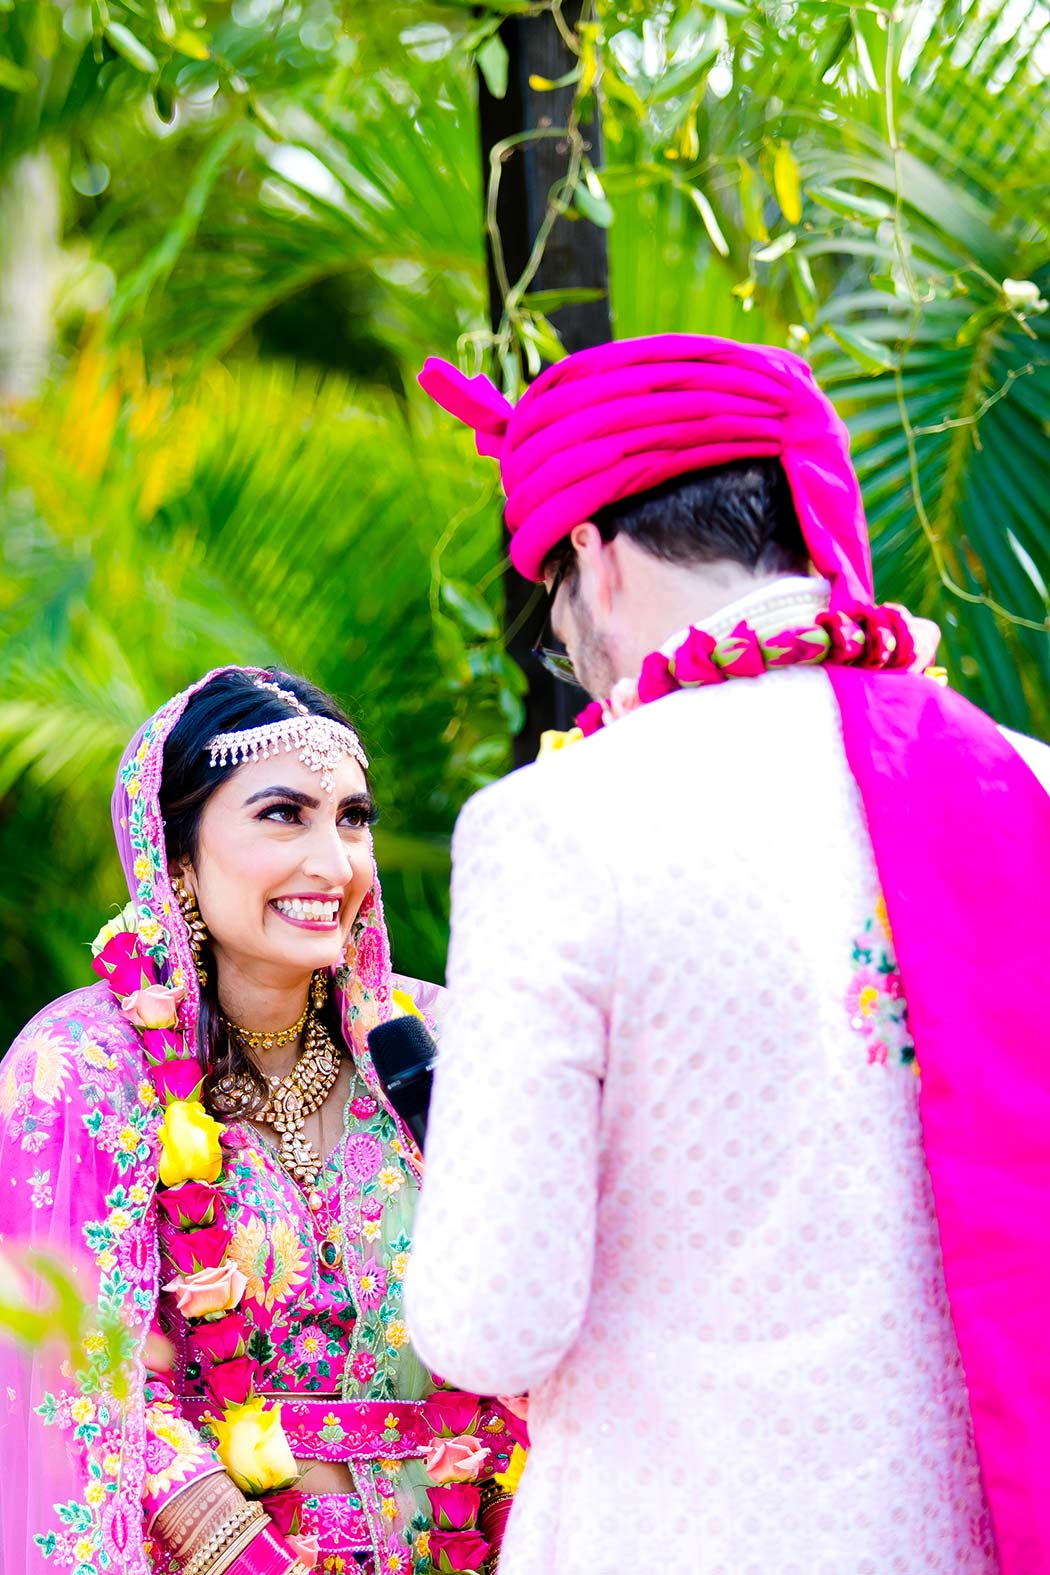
column 301, row 910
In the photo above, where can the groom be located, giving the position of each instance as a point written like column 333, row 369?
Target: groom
column 738, row 1157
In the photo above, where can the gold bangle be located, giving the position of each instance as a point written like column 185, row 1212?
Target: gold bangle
column 229, row 1555
column 246, row 1515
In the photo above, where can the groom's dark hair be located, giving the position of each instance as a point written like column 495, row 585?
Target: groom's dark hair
column 742, row 512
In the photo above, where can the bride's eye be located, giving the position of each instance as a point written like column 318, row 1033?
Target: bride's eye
column 284, row 814
column 360, row 815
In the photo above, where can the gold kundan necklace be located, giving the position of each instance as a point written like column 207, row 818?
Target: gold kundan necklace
column 292, row 1098
column 268, row 1039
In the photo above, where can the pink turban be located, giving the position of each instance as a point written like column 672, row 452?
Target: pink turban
column 618, row 419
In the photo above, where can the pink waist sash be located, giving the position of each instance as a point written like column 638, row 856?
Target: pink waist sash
column 326, row 1429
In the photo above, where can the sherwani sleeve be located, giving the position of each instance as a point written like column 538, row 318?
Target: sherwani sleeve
column 501, row 1269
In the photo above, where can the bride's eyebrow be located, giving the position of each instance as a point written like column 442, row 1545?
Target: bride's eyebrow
column 292, row 794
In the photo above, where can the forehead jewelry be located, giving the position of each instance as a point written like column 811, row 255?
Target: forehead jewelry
column 318, row 741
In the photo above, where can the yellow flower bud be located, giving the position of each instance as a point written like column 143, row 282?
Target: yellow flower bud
column 253, row 1447
column 551, row 741
column 404, row 1006
column 189, row 1140
column 510, row 1480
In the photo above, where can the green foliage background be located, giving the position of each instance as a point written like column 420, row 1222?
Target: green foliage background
column 229, row 233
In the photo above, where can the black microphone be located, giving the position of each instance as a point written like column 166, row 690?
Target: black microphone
column 404, row 1055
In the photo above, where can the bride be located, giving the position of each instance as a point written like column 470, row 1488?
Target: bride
column 202, row 1134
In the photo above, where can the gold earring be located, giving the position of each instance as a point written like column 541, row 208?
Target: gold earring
column 319, row 989
column 194, row 923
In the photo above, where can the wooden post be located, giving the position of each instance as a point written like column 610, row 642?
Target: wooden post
column 576, row 255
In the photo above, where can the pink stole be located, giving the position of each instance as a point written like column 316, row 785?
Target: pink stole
column 961, row 832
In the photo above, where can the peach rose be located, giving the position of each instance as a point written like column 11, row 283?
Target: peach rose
column 455, row 1460
column 208, row 1291
column 153, row 1006
column 306, row 1548
column 624, row 697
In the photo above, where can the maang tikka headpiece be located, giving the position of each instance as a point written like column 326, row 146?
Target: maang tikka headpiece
column 319, row 741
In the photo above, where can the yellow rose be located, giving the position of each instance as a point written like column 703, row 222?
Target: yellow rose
column 253, row 1447
column 189, row 1140
column 552, row 741
column 126, row 919
column 404, row 1005
column 510, row 1480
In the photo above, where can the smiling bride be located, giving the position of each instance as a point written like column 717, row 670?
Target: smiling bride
column 202, row 1134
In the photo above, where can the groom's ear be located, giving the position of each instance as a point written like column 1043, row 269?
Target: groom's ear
column 598, row 570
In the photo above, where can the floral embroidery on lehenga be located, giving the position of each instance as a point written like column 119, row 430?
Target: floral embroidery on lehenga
column 875, row 998
column 175, row 1452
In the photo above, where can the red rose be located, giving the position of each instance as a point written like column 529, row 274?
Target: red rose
column 230, row 1383
column 221, row 1339
column 590, row 719
column 458, row 1550
column 656, row 679
column 124, row 965
column 693, row 662
column 286, row 1511
column 455, row 1508
column 846, row 634
column 178, row 1078
column 190, row 1250
column 741, row 653
column 451, row 1412
column 191, row 1205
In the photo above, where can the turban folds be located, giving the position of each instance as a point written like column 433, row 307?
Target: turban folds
column 615, row 420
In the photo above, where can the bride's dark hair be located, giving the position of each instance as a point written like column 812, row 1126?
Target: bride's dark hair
column 232, row 702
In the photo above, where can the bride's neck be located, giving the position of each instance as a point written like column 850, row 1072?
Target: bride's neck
column 261, row 1003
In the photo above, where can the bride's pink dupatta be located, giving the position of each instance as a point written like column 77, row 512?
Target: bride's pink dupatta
column 959, row 824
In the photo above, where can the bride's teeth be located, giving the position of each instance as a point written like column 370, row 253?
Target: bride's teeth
column 320, row 911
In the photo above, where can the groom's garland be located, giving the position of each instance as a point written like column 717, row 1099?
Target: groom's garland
column 873, row 637
column 208, row 1285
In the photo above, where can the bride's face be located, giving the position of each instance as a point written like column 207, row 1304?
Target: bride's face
column 282, row 867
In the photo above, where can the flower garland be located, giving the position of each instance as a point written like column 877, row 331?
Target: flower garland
column 454, row 1463
column 208, row 1286
column 872, row 637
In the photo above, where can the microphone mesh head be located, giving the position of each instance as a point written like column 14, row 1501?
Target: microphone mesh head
column 399, row 1046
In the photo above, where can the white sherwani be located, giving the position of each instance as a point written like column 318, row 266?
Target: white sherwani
column 672, row 1188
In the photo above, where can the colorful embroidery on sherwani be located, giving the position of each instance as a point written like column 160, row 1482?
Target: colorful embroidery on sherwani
column 875, row 998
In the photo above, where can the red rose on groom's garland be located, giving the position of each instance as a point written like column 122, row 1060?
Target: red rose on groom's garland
column 590, row 719
column 656, row 679
column 693, row 661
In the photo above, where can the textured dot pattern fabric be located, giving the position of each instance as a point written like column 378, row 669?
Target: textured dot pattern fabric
column 666, row 1191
